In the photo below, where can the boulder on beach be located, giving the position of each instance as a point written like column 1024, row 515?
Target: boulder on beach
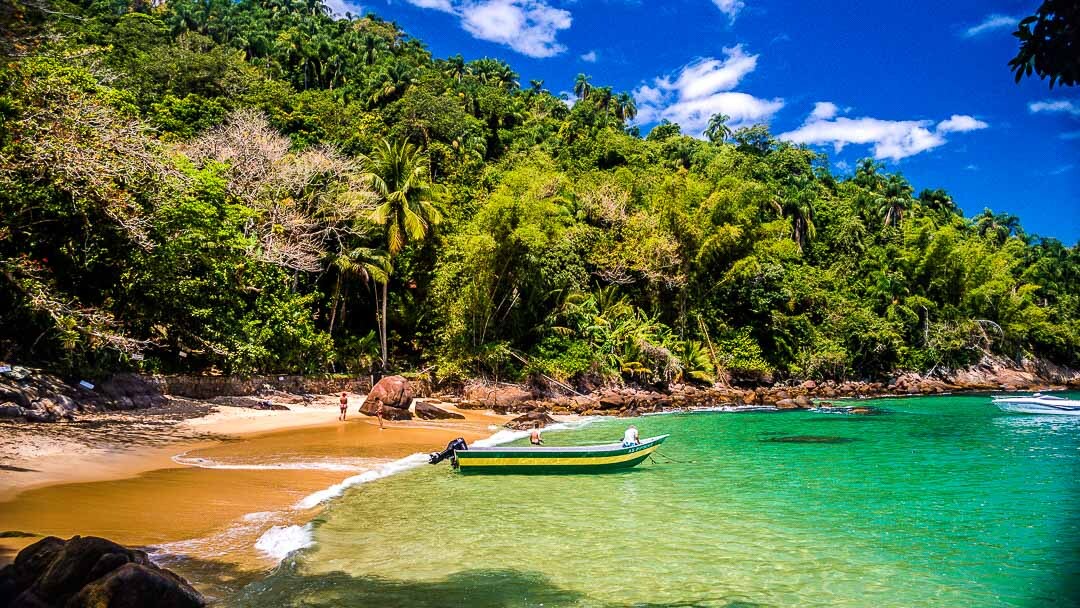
column 391, row 392
column 428, row 411
column 91, row 572
column 529, row 420
column 502, row 395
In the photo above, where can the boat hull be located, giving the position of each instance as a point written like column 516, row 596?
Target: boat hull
column 546, row 460
column 1035, row 408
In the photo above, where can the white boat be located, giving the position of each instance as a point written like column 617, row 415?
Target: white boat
column 1038, row 404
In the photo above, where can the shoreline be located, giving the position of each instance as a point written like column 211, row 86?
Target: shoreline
column 206, row 519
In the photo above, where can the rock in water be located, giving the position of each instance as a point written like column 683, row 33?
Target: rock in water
column 391, row 392
column 430, row 412
column 87, row 572
column 132, row 585
column 528, row 421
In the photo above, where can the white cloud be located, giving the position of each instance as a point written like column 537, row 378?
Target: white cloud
column 1059, row 105
column 439, row 5
column 703, row 88
column 527, row 26
column 530, row 27
column 338, row 8
column 959, row 123
column 892, row 139
column 824, row 110
column 589, row 57
column 991, row 23
column 730, row 8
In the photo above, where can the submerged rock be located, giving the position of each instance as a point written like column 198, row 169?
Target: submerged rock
column 90, row 572
column 528, row 421
column 809, row 439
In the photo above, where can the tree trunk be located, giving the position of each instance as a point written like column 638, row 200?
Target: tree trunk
column 334, row 304
column 382, row 320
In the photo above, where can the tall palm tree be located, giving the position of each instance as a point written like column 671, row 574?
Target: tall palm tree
column 365, row 263
column 895, row 200
column 398, row 173
column 718, row 130
column 582, row 86
column 797, row 204
column 997, row 227
column 625, row 108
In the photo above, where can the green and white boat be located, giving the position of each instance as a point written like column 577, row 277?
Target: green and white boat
column 555, row 459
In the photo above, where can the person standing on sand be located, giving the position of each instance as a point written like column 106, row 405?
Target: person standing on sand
column 534, row 437
column 344, row 405
column 378, row 414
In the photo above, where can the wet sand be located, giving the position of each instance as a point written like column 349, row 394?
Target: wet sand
column 204, row 520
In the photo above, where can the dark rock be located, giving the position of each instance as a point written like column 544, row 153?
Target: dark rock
column 428, row 411
column 390, row 392
column 131, row 391
column 133, row 585
column 38, row 416
column 394, row 413
column 32, row 561
column 87, row 572
column 529, row 420
column 10, row 410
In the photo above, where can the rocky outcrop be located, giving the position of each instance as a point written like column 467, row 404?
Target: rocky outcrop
column 490, row 396
column 427, row 411
column 86, row 572
column 395, row 394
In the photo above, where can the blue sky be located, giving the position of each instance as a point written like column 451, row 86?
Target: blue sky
column 924, row 87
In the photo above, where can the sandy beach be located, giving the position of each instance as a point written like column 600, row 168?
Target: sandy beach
column 198, row 484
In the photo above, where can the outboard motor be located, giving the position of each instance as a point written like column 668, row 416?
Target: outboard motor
column 453, row 446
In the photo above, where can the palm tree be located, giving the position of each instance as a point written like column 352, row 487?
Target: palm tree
column 895, row 200
column 867, row 174
column 718, row 130
column 797, row 204
column 625, row 108
column 997, row 227
column 365, row 263
column 582, row 86
column 454, row 68
column 536, row 86
column 398, row 173
column 939, row 202
column 602, row 97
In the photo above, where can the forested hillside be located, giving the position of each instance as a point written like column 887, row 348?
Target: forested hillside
column 251, row 185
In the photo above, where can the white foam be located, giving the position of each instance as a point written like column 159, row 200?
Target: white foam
column 415, row 460
column 206, row 463
column 386, row 470
column 280, row 541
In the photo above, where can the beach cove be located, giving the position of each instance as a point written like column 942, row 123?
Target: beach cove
column 198, row 487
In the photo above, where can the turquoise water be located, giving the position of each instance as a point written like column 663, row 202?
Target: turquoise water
column 941, row 501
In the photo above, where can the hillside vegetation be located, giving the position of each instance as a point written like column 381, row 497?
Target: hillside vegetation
column 252, row 185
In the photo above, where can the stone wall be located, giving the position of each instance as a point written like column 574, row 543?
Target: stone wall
column 208, row 387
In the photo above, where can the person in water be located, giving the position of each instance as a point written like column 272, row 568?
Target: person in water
column 534, row 437
column 378, row 414
column 630, row 438
column 344, row 405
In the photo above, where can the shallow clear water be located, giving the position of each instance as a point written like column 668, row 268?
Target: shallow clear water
column 940, row 501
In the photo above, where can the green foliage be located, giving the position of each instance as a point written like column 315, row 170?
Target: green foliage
column 266, row 188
